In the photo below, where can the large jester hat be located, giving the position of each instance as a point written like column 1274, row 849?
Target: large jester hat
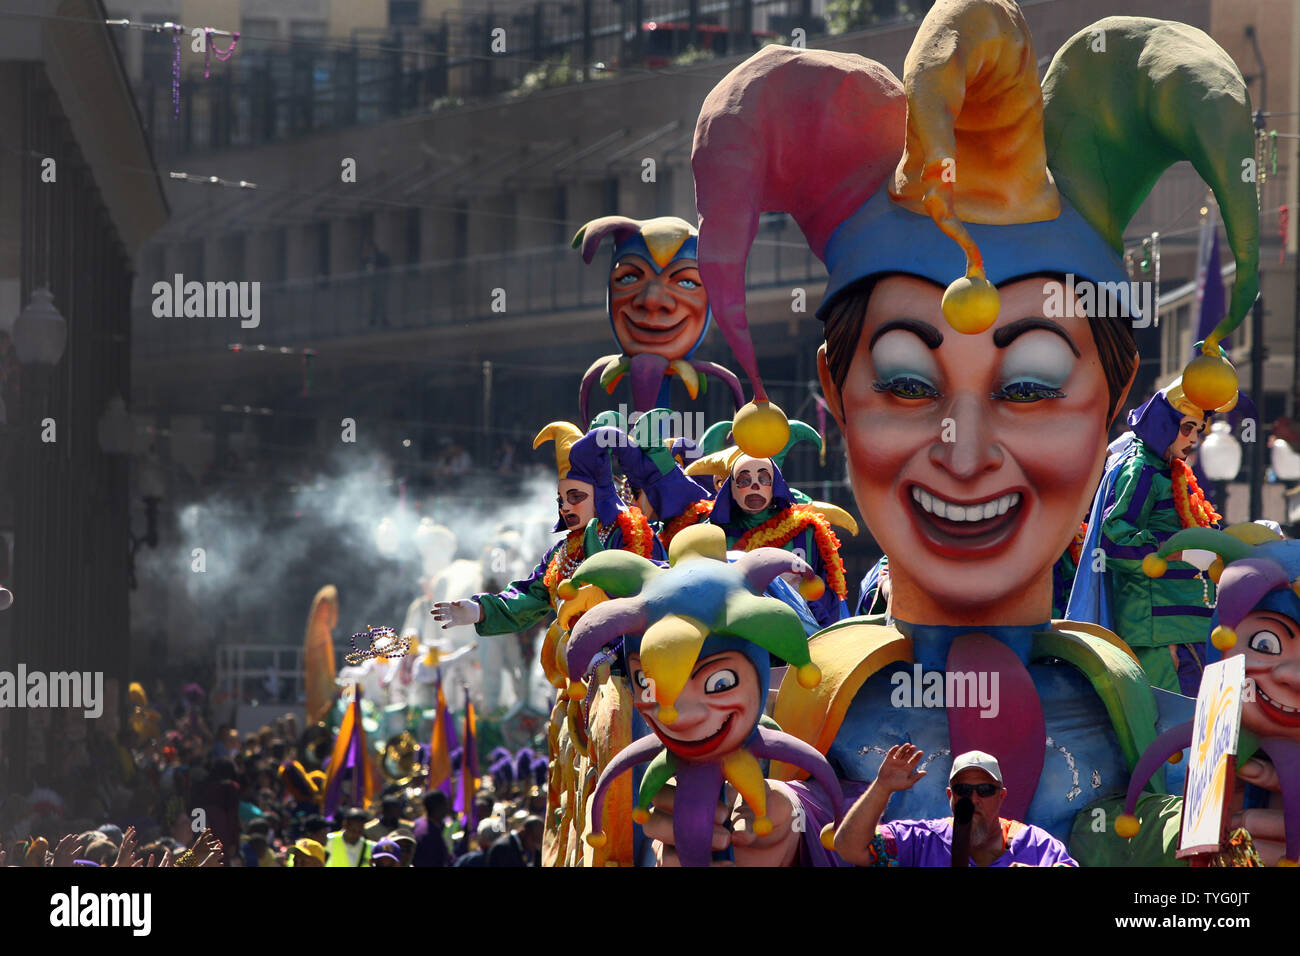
column 1256, row 570
column 966, row 173
column 699, row 606
column 657, row 242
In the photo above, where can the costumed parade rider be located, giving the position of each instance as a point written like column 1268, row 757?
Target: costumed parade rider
column 757, row 509
column 593, row 517
column 1148, row 493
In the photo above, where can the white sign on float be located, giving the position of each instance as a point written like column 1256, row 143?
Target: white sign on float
column 1213, row 753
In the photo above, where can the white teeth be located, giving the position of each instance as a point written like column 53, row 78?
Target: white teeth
column 1276, row 703
column 955, row 512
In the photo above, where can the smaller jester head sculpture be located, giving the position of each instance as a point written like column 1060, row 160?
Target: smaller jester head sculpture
column 658, row 308
column 1257, row 616
column 696, row 642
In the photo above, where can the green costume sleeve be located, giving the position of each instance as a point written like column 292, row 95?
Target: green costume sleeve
column 1125, row 531
column 1151, row 612
column 519, row 606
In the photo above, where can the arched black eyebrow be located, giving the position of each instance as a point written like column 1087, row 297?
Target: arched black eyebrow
column 1004, row 336
column 1279, row 618
column 926, row 332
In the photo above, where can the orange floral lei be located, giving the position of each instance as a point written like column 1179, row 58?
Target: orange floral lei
column 691, row 516
column 638, row 537
column 1194, row 509
column 778, row 530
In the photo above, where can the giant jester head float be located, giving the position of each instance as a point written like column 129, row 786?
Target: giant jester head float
column 696, row 642
column 658, row 309
column 977, row 313
column 1258, row 617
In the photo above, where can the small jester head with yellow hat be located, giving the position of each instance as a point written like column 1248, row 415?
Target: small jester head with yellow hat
column 697, row 640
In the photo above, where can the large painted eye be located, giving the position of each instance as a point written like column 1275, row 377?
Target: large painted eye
column 720, row 681
column 1023, row 392
column 907, row 386
column 688, row 283
column 641, row 680
column 1266, row 642
column 628, row 279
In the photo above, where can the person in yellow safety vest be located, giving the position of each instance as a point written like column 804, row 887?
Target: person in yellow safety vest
column 349, row 847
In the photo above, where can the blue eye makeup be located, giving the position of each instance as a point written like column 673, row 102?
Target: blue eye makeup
column 905, row 366
column 1034, row 367
column 906, row 386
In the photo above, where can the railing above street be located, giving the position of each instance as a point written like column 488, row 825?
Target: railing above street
column 535, row 282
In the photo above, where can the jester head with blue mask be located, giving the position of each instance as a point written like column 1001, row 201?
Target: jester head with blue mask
column 978, row 314
column 657, row 305
column 1257, row 617
column 697, row 639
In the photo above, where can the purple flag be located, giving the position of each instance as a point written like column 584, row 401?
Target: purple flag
column 1213, row 301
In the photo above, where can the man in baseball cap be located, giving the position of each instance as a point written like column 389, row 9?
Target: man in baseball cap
column 975, row 776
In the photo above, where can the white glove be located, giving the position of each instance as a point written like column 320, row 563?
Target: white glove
column 451, row 613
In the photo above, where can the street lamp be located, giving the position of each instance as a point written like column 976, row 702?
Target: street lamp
column 153, row 485
column 115, row 431
column 1220, row 456
column 1286, row 461
column 40, row 333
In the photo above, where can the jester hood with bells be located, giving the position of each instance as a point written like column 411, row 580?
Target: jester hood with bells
column 971, row 175
column 670, row 619
column 975, row 176
column 1258, row 615
column 658, row 318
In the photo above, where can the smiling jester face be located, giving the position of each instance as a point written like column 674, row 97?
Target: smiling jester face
column 661, row 312
column 972, row 456
column 1270, row 643
column 715, row 711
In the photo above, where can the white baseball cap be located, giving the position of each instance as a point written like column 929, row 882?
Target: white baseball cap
column 980, row 761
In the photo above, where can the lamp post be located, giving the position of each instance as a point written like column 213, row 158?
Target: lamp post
column 1286, row 467
column 153, row 486
column 1220, row 456
column 40, row 333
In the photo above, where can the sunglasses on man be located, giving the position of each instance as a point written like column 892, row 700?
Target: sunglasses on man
column 985, row 790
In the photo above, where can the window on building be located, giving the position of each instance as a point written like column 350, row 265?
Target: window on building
column 157, row 53
column 262, row 33
column 403, row 13
column 412, row 236
column 322, row 248
column 279, row 242
column 460, row 230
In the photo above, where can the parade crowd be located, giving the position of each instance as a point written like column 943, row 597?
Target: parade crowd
column 189, row 795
